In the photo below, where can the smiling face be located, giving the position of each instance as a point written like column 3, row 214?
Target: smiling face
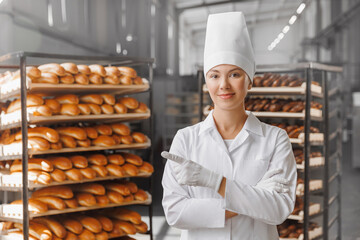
column 228, row 86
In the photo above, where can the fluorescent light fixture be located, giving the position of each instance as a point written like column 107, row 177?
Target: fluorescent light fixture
column 50, row 15
column 129, row 38
column 118, row 48
column 281, row 35
column 286, row 29
column 273, row 44
column 1, row 1
column 300, row 8
column 63, row 11
column 276, row 40
column 292, row 19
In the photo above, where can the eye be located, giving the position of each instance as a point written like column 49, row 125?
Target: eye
column 235, row 75
column 214, row 75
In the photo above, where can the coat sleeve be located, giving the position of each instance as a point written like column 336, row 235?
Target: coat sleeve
column 269, row 207
column 181, row 210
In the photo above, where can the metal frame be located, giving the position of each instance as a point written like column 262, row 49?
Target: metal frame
column 22, row 56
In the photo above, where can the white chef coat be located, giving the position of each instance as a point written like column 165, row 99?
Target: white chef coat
column 200, row 211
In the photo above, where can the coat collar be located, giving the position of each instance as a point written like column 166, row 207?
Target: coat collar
column 252, row 124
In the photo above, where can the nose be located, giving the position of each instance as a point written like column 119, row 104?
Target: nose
column 224, row 82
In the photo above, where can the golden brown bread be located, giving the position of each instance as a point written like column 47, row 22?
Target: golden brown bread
column 34, row 206
column 129, row 102
column 56, row 146
column 101, row 171
column 68, row 78
column 142, row 108
column 132, row 158
column 54, row 105
column 121, row 129
column 140, row 195
column 73, row 174
column 102, row 236
column 116, row 159
column 111, row 79
column 97, row 159
column 83, row 143
column 90, row 223
column 107, row 109
column 98, row 69
column 112, row 71
column 84, row 69
column 92, row 98
column 70, row 67
column 104, row 141
column 71, row 236
column 115, row 170
column 75, row 132
column 40, row 111
column 58, row 175
column 79, row 161
column 118, row 187
column 142, row 227
column 106, row 223
column 52, row 68
column 70, row 109
column 47, row 77
column 132, row 187
column 120, row 108
column 37, row 230
column 46, row 133
column 33, row 164
column 62, row 163
column 130, row 169
column 128, row 71
column 53, row 225
column 72, row 225
column 126, row 139
column 57, row 191
column 126, row 215
column 138, row 81
column 67, row 141
column 31, row 100
column 94, row 108
column 84, row 109
column 32, row 72
column 71, row 203
column 103, row 129
column 67, row 99
column 108, row 98
column 88, row 173
column 102, row 200
column 81, row 78
column 129, row 198
column 114, row 197
column 117, row 139
column 127, row 227
column 37, row 143
column 86, row 235
column 95, row 78
column 36, row 176
column 91, row 132
column 92, row 188
column 146, row 168
column 85, row 199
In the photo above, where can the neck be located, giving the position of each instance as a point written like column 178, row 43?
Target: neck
column 229, row 122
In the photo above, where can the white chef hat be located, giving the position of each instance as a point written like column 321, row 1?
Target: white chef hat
column 227, row 41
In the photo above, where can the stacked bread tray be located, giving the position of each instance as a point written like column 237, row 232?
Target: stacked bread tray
column 81, row 118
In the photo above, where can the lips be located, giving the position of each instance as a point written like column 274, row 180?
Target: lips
column 226, row 95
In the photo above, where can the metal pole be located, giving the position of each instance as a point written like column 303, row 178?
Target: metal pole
column 152, row 144
column 339, row 162
column 24, row 132
column 326, row 156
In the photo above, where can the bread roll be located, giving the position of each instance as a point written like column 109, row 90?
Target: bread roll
column 126, row 215
column 33, row 164
column 121, row 129
column 130, row 169
column 92, row 188
column 103, row 141
column 75, row 132
column 84, row 143
column 126, row 139
column 98, row 69
column 117, row 139
column 47, row 77
column 133, row 159
column 115, row 170
column 79, row 161
column 102, row 200
column 132, row 187
column 112, row 71
column 41, row 111
column 34, row 206
column 94, row 108
column 116, row 159
column 85, row 199
column 56, row 191
column 103, row 129
column 106, row 223
column 56, row 146
column 68, row 78
column 32, row 72
column 70, row 67
column 102, row 236
column 116, row 232
column 129, row 102
column 37, row 144
column 128, row 71
column 129, row 198
column 84, row 69
column 54, row 105
column 70, row 109
column 101, row 171
column 7, row 137
column 91, row 132
column 107, row 109
column 138, row 81
column 146, row 168
column 52, row 202
column 86, row 235
column 126, row 80
column 73, row 174
column 114, row 197
column 58, row 175
column 140, row 195
column 71, row 203
column 139, row 137
column 72, row 225
column 97, row 159
column 67, row 141
column 142, row 227
column 71, row 236
column 127, row 227
column 84, row 109
column 62, row 163
column 46, row 133
column 120, row 108
column 119, row 188
column 90, row 223
column 88, row 173
column 95, row 78
column 112, row 79
column 52, row 68
column 81, row 78
column 142, row 108
column 36, row 176
column 67, row 99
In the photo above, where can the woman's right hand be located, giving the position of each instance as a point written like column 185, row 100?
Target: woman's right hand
column 229, row 214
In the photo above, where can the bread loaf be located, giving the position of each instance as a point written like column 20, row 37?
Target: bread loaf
column 88, row 173
column 86, row 235
column 36, row 176
column 34, row 206
column 117, row 187
column 95, row 109
column 52, row 68
column 72, row 225
column 112, row 71
column 75, row 132
column 92, row 98
column 120, row 108
column 128, row 71
column 103, row 129
column 127, row 227
column 81, row 78
column 121, row 129
column 101, row 171
column 146, row 168
column 79, row 161
column 138, row 81
column 102, row 200
column 132, row 187
column 129, row 102
column 107, row 109
column 58, row 175
column 102, row 236
column 62, row 163
column 68, row 78
column 37, row 143
column 97, row 159
column 56, row 146
column 84, row 69
column 47, row 77
column 129, row 198
column 114, row 197
column 70, row 109
column 67, row 99
column 71, row 236
column 56, row 191
column 89, row 223
column 85, row 199
column 91, row 132
column 115, row 170
column 130, row 169
column 33, row 164
column 95, row 78
column 67, row 141
column 71, row 203
column 92, row 188
column 46, row 133
column 108, row 98
column 40, row 111
column 54, row 105
column 84, row 109
column 73, row 174
column 126, row 215
column 31, row 100
column 83, row 143
column 103, row 141
column 117, row 139
column 70, row 67
column 32, row 72
column 142, row 227
column 52, row 202
column 142, row 108
column 116, row 159
column 98, row 69
column 126, row 139
column 133, row 159
column 111, row 79
column 140, row 195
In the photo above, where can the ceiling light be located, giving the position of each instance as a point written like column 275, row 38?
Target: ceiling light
column 118, row 48
column 292, row 19
column 270, row 48
column 286, row 29
column 281, row 35
column 276, row 40
column 129, row 38
column 50, row 15
column 300, row 8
